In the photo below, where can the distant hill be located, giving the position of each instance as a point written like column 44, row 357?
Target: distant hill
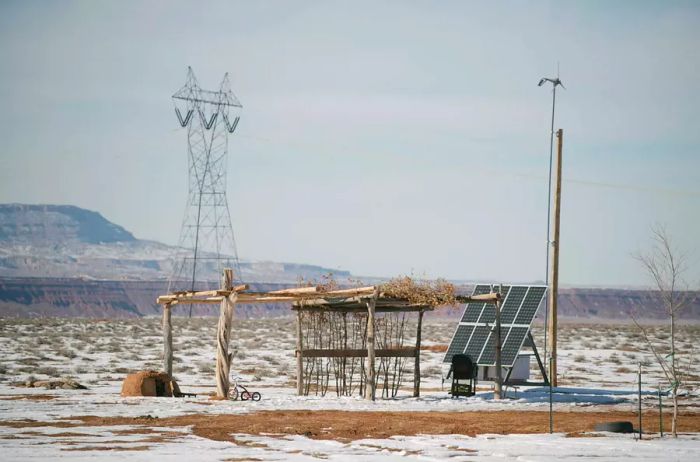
column 61, row 260
column 73, row 297
column 64, row 241
column 37, row 225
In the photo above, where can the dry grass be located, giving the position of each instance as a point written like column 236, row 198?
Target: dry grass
column 430, row 293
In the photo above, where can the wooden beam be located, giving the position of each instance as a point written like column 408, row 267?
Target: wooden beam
column 283, row 295
column 360, row 309
column 370, row 388
column 223, row 359
column 416, row 367
column 487, row 298
column 368, row 290
column 300, row 358
column 167, row 340
column 293, row 291
column 554, row 267
column 407, row 352
column 498, row 391
column 188, row 300
column 208, row 296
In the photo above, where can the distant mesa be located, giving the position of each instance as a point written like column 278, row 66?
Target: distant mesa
column 39, row 224
column 65, row 241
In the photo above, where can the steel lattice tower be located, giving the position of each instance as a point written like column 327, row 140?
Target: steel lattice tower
column 207, row 244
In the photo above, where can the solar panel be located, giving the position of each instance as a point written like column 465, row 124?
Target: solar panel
column 510, row 307
column 529, row 308
column 513, row 343
column 476, row 343
column 488, row 354
column 475, row 334
column 459, row 340
column 472, row 312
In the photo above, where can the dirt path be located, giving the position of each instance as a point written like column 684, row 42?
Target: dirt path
column 341, row 425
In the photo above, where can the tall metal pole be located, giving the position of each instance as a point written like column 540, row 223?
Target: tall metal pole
column 551, row 406
column 661, row 415
column 549, row 209
column 639, row 381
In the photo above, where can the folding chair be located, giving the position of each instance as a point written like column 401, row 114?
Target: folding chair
column 463, row 373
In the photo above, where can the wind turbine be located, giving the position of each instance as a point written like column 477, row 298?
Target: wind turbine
column 555, row 83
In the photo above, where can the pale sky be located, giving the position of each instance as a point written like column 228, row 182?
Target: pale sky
column 383, row 138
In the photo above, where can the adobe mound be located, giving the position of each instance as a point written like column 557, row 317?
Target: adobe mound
column 150, row 383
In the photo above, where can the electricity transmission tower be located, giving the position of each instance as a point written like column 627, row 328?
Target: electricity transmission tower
column 207, row 243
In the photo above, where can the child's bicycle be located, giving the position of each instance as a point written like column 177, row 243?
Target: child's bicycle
column 239, row 391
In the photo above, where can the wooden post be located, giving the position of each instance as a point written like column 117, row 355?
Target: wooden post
column 416, row 368
column 554, row 267
column 498, row 393
column 300, row 360
column 371, row 385
column 223, row 360
column 167, row 340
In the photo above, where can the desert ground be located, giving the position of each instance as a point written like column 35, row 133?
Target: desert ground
column 598, row 382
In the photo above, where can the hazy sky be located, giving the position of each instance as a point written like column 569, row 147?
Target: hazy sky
column 379, row 137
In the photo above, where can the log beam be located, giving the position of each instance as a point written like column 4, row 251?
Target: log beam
column 416, row 367
column 167, row 340
column 300, row 357
column 370, row 388
column 223, row 358
column 488, row 298
column 408, row 352
column 554, row 267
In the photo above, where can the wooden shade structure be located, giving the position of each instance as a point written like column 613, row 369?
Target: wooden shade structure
column 315, row 299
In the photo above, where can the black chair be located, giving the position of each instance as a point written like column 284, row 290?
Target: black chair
column 463, row 371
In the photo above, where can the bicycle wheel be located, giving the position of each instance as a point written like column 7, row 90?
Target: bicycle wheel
column 245, row 395
column 233, row 393
column 255, row 396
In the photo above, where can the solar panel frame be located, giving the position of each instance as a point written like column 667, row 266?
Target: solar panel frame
column 518, row 309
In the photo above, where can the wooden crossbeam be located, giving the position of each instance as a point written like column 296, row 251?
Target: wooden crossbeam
column 485, row 298
column 284, row 295
column 200, row 296
column 310, row 296
column 357, row 308
column 408, row 352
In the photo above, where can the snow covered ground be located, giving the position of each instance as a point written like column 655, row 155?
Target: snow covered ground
column 597, row 369
column 177, row 445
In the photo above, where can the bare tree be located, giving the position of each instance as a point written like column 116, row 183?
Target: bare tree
column 666, row 266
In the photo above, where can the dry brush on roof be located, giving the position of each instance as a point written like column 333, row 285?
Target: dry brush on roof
column 420, row 292
column 417, row 292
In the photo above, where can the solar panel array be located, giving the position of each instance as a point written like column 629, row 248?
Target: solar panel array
column 475, row 334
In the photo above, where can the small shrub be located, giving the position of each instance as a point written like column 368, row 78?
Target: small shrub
column 623, row 370
column 47, row 370
column 70, row 354
column 80, row 370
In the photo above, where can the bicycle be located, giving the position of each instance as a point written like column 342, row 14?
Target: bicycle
column 239, row 391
